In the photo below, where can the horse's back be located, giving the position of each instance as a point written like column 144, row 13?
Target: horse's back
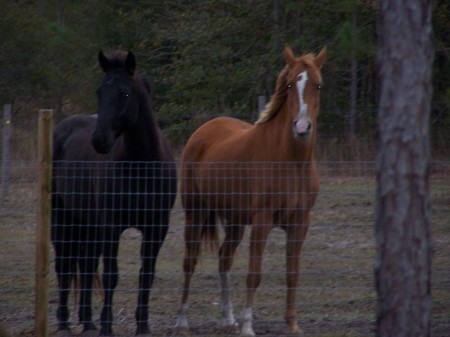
column 72, row 152
column 73, row 134
column 209, row 160
column 216, row 141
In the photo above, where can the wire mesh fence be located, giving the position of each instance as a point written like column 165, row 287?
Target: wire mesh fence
column 336, row 294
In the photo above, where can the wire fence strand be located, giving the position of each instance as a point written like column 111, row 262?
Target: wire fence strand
column 336, row 289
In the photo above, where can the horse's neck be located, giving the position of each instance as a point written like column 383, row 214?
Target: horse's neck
column 141, row 140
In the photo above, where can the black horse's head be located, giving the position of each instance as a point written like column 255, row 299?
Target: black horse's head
column 118, row 99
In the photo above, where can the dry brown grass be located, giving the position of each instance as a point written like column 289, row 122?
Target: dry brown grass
column 336, row 296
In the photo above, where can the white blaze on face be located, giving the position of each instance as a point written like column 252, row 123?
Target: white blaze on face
column 302, row 123
column 301, row 84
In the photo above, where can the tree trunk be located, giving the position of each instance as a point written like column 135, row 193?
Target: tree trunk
column 403, row 265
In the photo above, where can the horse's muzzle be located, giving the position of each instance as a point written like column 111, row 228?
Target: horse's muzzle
column 302, row 128
column 101, row 144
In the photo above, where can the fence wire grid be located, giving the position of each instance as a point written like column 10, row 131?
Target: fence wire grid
column 336, row 294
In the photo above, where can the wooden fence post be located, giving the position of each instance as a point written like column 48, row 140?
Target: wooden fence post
column 5, row 148
column 44, row 164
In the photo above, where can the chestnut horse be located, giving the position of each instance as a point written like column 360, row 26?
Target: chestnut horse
column 263, row 175
column 110, row 172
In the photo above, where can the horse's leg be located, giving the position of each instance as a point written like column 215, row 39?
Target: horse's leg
column 110, row 278
column 233, row 237
column 295, row 235
column 258, row 240
column 88, row 262
column 192, row 239
column 65, row 263
column 152, row 240
column 65, row 267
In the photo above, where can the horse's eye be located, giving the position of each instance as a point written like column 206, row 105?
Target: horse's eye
column 319, row 87
column 125, row 95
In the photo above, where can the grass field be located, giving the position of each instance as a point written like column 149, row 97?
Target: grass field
column 336, row 295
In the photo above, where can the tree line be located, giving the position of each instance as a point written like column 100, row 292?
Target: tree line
column 204, row 57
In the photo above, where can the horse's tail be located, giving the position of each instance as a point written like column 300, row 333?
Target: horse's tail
column 201, row 232
column 210, row 236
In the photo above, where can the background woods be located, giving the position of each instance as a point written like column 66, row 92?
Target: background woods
column 206, row 58
column 218, row 57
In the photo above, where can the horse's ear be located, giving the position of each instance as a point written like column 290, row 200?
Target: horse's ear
column 130, row 63
column 103, row 61
column 320, row 59
column 288, row 54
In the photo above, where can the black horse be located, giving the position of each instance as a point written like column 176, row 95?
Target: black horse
column 111, row 171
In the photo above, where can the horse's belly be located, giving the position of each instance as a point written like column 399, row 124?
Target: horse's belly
column 239, row 191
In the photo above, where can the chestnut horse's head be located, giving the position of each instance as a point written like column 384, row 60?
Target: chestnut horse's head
column 304, row 81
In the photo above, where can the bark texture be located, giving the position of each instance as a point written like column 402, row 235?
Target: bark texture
column 403, row 265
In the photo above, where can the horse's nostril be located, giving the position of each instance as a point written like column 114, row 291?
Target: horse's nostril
column 302, row 127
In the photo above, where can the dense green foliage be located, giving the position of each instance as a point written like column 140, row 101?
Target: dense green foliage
column 205, row 57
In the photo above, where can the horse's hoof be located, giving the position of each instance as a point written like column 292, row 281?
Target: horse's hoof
column 298, row 332
column 247, row 334
column 105, row 332
column 182, row 331
column 295, row 334
column 89, row 333
column 4, row 331
column 63, row 333
column 143, row 331
column 231, row 329
column 246, row 331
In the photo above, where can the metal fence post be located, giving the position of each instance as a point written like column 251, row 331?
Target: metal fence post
column 6, row 148
column 262, row 101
